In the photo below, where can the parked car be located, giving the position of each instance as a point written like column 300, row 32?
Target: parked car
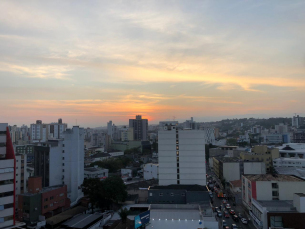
column 226, row 214
column 228, row 206
column 224, row 223
column 244, row 221
column 235, row 218
column 232, row 212
column 219, row 214
column 240, row 215
column 233, row 226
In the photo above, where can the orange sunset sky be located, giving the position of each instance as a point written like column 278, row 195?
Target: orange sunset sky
column 95, row 61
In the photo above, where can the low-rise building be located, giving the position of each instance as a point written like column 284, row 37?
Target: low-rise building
column 232, row 168
column 40, row 201
column 151, row 171
column 181, row 216
column 261, row 153
column 177, row 194
column 279, row 213
column 292, row 150
column 289, row 162
column 269, row 187
column 96, row 172
column 100, row 157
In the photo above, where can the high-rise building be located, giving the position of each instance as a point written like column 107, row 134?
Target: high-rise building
column 62, row 162
column 56, row 130
column 140, row 128
column 21, row 175
column 181, row 156
column 7, row 178
column 295, row 121
column 43, row 132
column 109, row 128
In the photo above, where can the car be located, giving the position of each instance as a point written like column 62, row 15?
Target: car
column 244, row 221
column 235, row 218
column 224, row 223
column 226, row 214
column 219, row 214
column 224, row 202
column 240, row 215
column 216, row 209
column 232, row 212
column 226, row 227
column 228, row 206
column 233, row 226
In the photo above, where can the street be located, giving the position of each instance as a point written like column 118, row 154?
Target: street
column 238, row 209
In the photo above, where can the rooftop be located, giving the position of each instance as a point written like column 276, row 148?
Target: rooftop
column 277, row 205
column 101, row 155
column 236, row 183
column 300, row 194
column 93, row 169
column 180, row 187
column 278, row 177
column 83, row 220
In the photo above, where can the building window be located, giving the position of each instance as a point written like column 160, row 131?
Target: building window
column 275, row 185
column 63, row 158
column 160, row 194
column 51, row 205
column 46, row 206
column 172, row 194
column 52, row 197
column 275, row 193
column 182, row 194
column 177, row 153
column 63, row 164
column 61, row 194
column 177, row 147
column 46, row 199
column 63, row 151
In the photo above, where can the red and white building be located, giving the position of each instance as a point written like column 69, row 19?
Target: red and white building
column 266, row 187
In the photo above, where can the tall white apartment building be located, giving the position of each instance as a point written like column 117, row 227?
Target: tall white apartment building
column 7, row 178
column 66, row 162
column 181, row 156
column 56, row 129
column 43, row 132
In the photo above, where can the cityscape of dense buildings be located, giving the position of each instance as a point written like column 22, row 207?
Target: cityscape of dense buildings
column 190, row 165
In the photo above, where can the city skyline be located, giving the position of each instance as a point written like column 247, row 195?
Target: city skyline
column 100, row 61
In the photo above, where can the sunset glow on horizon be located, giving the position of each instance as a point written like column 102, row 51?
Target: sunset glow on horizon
column 89, row 62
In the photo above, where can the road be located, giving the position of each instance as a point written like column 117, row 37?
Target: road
column 238, row 209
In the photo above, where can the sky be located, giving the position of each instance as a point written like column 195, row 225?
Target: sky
column 89, row 62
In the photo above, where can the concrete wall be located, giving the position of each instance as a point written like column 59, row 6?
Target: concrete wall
column 263, row 190
column 254, row 168
column 151, row 171
column 231, row 171
column 287, row 189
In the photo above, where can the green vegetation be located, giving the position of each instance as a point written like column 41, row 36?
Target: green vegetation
column 103, row 193
column 123, row 214
column 133, row 151
column 113, row 164
column 231, row 142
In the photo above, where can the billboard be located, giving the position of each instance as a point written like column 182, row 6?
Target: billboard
column 141, row 219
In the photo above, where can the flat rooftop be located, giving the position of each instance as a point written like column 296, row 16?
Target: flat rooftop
column 83, row 220
column 92, row 169
column 278, row 177
column 179, row 187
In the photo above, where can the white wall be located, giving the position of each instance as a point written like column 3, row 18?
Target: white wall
column 151, row 171
column 263, row 190
column 191, row 157
column 254, row 168
column 231, row 171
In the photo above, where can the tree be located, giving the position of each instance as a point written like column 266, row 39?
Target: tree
column 231, row 142
column 104, row 193
column 114, row 189
column 123, row 214
column 272, row 171
column 92, row 188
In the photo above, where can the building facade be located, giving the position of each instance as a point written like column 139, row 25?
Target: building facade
column 151, row 171
column 261, row 153
column 7, row 178
column 181, row 156
column 140, row 128
column 268, row 187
